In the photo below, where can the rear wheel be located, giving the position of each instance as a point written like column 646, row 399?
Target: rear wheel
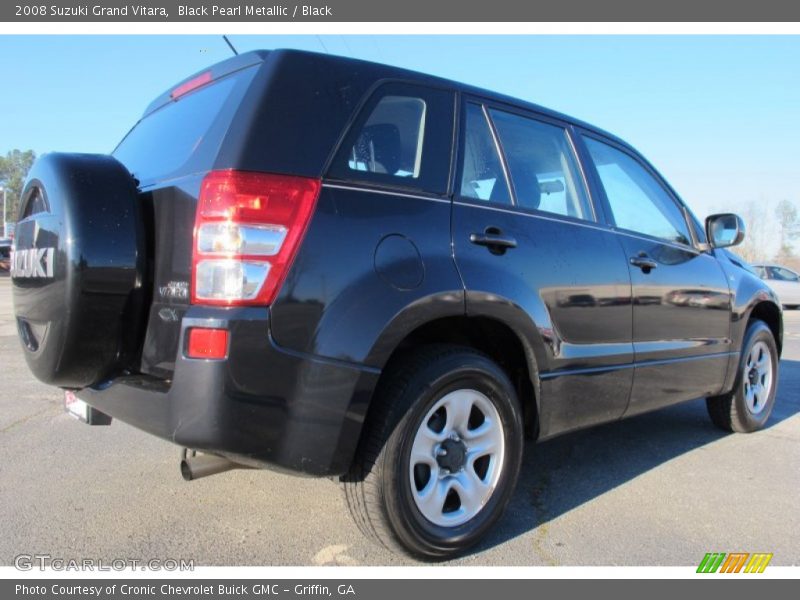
column 747, row 408
column 440, row 454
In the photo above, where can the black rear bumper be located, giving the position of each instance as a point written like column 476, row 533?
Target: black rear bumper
column 262, row 406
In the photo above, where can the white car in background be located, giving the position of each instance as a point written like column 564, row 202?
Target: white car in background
column 785, row 283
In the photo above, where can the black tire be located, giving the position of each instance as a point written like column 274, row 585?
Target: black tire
column 378, row 488
column 731, row 412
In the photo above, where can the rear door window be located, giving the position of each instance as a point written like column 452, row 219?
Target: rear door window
column 402, row 138
column 543, row 168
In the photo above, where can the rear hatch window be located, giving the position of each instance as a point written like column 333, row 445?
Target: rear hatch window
column 184, row 135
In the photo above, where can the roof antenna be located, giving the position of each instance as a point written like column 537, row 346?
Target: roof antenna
column 321, row 43
column 227, row 41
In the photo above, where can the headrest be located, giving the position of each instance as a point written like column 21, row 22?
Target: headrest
column 526, row 184
column 381, row 142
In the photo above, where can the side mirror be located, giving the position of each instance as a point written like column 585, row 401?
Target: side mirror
column 723, row 230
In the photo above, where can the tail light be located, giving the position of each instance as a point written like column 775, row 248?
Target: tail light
column 247, row 231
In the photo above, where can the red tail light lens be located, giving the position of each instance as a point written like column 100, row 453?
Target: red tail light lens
column 207, row 343
column 247, row 232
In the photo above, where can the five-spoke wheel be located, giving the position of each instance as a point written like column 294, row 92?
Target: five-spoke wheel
column 757, row 377
column 748, row 406
column 441, row 453
column 456, row 457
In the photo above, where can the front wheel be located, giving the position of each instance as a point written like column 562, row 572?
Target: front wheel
column 440, row 455
column 748, row 406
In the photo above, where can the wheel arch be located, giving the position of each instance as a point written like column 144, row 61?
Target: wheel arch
column 771, row 314
column 488, row 335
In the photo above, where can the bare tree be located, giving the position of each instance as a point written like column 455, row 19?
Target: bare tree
column 755, row 245
column 789, row 228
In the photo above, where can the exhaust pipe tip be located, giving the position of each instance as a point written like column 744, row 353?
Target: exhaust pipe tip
column 195, row 466
column 186, row 470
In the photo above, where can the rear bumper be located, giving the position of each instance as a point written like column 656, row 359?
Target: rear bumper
column 262, row 406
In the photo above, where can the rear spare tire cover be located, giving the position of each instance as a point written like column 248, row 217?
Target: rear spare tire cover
column 77, row 268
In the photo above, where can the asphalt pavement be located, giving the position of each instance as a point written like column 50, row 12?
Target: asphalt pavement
column 659, row 489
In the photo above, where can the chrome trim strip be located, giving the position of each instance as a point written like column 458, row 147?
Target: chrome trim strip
column 554, row 218
column 636, row 236
column 338, row 186
column 580, row 223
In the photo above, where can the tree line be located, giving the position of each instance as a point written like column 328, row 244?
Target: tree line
column 766, row 228
column 14, row 167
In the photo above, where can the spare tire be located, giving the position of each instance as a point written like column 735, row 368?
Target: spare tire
column 78, row 269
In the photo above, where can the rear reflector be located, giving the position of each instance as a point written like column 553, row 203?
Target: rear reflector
column 191, row 85
column 207, row 343
column 247, row 231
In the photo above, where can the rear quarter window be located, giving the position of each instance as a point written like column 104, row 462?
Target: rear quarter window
column 401, row 138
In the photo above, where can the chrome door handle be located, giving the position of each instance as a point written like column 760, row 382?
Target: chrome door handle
column 644, row 262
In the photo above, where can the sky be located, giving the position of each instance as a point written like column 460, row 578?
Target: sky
column 719, row 116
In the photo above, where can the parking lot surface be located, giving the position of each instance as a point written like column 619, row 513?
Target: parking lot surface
column 659, row 489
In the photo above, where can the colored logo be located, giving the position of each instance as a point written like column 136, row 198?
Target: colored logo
column 734, row 562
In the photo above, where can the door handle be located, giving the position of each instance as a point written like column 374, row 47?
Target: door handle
column 493, row 239
column 644, row 262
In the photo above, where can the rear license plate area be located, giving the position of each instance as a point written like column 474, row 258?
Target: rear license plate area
column 78, row 409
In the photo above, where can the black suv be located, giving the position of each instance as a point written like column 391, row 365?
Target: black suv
column 344, row 269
